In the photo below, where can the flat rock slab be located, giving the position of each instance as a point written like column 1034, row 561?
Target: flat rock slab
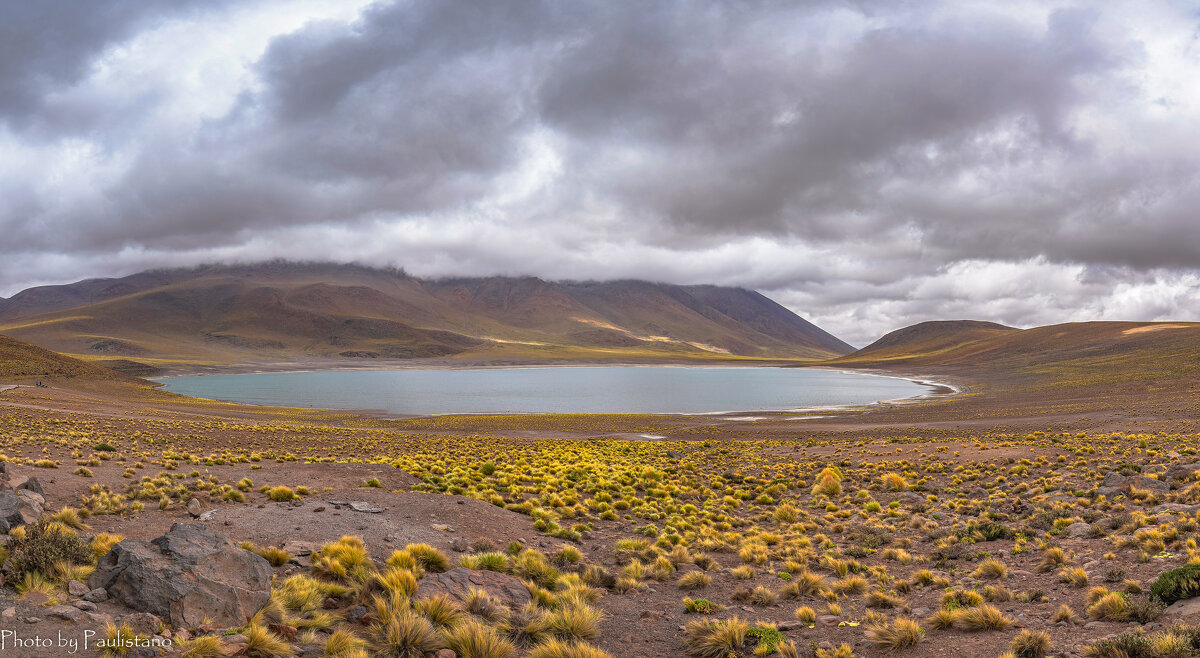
column 459, row 580
column 1186, row 607
column 359, row 506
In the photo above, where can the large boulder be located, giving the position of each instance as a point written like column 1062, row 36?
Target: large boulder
column 1144, row 483
column 459, row 580
column 19, row 508
column 188, row 577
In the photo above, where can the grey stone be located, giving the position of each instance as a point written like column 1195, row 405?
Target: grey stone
column 1114, row 479
column 143, row 623
column 459, row 580
column 1185, row 607
column 76, row 588
column 68, row 612
column 86, row 606
column 1177, row 507
column 1181, row 471
column 1151, row 484
column 28, row 483
column 19, row 508
column 98, row 595
column 188, row 576
column 1079, row 529
column 193, row 508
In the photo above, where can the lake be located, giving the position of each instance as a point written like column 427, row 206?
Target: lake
column 599, row 389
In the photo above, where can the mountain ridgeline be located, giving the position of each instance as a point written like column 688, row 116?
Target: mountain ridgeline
column 221, row 315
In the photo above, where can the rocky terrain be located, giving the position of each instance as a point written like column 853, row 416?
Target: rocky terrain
column 1028, row 515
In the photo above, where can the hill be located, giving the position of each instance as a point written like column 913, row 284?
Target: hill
column 21, row 362
column 281, row 311
column 928, row 342
column 1077, row 354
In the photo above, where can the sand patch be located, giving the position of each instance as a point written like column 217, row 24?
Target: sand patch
column 1153, row 327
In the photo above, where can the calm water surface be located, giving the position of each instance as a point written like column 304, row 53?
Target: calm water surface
column 601, row 389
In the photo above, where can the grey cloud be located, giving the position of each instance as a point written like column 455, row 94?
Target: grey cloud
column 860, row 160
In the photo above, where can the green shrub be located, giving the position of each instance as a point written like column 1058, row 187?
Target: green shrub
column 1125, row 645
column 1177, row 584
column 768, row 638
column 43, row 545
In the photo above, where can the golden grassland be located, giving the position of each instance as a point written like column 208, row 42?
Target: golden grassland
column 857, row 528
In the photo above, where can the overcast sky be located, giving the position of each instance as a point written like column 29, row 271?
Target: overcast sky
column 868, row 164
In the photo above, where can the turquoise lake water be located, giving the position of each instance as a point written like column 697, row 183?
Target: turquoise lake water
column 600, row 389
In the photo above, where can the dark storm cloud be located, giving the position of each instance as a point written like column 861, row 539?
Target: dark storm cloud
column 46, row 45
column 873, row 163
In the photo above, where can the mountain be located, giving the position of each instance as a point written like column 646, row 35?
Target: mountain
column 281, row 311
column 1077, row 354
column 929, row 342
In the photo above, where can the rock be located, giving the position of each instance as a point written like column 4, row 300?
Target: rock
column 651, row 614
column 208, row 516
column 356, row 614
column 98, row 618
column 1181, row 471
column 142, row 652
column 86, row 606
column 1144, row 483
column 445, row 653
column 358, row 506
column 76, row 588
column 301, row 548
column 457, row 581
column 8, row 614
column 1109, row 492
column 921, row 612
column 828, row 620
column 1079, row 529
column 67, row 612
column 1177, row 507
column 1185, row 607
column 311, row 651
column 98, row 595
column 32, row 620
column 188, row 576
column 28, row 483
column 143, row 623
column 19, row 508
column 235, row 649
column 193, row 508
column 441, row 527
column 1114, row 479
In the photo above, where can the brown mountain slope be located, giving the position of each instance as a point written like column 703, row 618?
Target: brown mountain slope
column 220, row 315
column 22, row 363
column 926, row 341
column 1078, row 354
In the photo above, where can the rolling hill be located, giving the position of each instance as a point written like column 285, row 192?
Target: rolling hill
column 282, row 311
column 1077, row 354
column 21, row 362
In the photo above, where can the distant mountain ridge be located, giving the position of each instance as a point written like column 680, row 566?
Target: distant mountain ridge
column 225, row 314
column 1074, row 355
